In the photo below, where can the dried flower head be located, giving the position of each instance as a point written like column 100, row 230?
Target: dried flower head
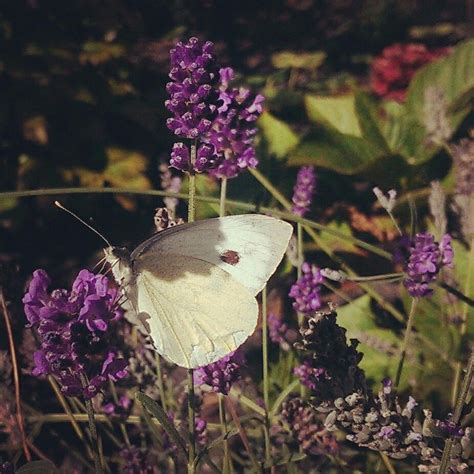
column 329, row 377
column 73, row 327
column 435, row 111
column 303, row 191
column 163, row 220
column 307, row 429
column 388, row 203
column 437, row 202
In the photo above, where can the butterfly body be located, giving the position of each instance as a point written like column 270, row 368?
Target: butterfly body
column 195, row 284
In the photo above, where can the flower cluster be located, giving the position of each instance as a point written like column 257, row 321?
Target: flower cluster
column 72, row 327
column 193, row 96
column 232, row 132
column 306, row 290
column 279, row 332
column 206, row 109
column 329, row 377
column 220, row 375
column 135, row 461
column 392, row 72
column 426, row 258
column 307, row 429
column 304, row 190
column 193, row 101
column 379, row 423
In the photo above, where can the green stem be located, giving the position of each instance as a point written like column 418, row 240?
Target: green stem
column 226, row 466
column 385, row 276
column 463, row 328
column 93, row 432
column 411, row 318
column 123, row 427
column 245, row 206
column 191, row 422
column 191, row 409
column 161, row 385
column 223, row 197
column 266, row 385
column 446, row 458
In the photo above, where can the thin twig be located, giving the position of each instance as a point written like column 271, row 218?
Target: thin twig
column 16, row 376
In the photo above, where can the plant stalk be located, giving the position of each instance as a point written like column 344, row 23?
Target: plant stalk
column 463, row 328
column 266, row 384
column 411, row 318
column 16, row 375
column 466, row 385
column 222, row 197
column 226, row 464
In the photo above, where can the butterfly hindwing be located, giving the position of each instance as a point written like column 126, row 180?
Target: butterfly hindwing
column 196, row 312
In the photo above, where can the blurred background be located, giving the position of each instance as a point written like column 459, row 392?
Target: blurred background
column 82, row 87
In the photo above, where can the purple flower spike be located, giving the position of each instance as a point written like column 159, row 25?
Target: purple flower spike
column 305, row 291
column 72, row 327
column 426, row 258
column 232, row 132
column 304, row 190
column 221, row 374
column 193, row 94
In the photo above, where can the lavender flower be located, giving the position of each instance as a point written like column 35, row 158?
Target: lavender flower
column 73, row 327
column 307, row 429
column 121, row 409
column 135, row 461
column 232, row 132
column 310, row 376
column 6, row 468
column 304, row 190
column 426, row 259
column 200, row 431
column 306, row 290
column 181, row 158
column 193, row 95
column 279, row 332
column 221, row 374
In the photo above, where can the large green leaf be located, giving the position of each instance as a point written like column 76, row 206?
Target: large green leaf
column 337, row 151
column 278, row 135
column 454, row 75
column 358, row 319
column 336, row 112
column 366, row 110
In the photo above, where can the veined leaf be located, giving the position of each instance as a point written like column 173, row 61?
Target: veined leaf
column 336, row 112
column 278, row 135
column 37, row 467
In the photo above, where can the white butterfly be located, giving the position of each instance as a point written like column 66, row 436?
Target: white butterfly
column 195, row 284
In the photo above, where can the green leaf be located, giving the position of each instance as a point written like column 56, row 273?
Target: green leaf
column 277, row 134
column 358, row 319
column 331, row 149
column 37, row 467
column 336, row 112
column 289, row 59
column 158, row 412
column 366, row 110
column 214, row 443
column 453, row 74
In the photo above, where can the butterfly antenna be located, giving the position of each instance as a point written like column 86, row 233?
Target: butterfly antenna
column 58, row 204
column 101, row 261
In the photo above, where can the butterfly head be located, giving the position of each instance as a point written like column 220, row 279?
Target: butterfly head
column 119, row 260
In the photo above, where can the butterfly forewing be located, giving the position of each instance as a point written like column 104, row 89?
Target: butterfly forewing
column 248, row 247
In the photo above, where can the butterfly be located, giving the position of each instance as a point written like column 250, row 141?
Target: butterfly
column 195, row 284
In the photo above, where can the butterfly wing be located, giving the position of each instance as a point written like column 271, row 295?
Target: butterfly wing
column 194, row 317
column 249, row 247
